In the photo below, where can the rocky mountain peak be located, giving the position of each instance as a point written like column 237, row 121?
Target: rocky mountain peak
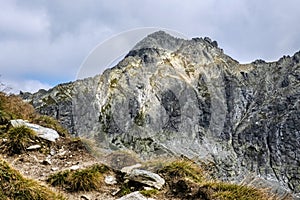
column 165, row 41
column 171, row 97
column 159, row 40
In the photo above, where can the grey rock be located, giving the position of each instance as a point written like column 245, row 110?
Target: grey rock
column 47, row 161
column 171, row 97
column 56, row 102
column 35, row 159
column 34, row 147
column 133, row 196
column 146, row 177
column 42, row 132
column 52, row 152
column 115, row 192
column 54, row 168
column 128, row 169
column 85, row 197
column 147, row 188
column 61, row 152
column 110, row 180
column 74, row 167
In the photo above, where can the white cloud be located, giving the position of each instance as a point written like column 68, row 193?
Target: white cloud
column 48, row 40
column 16, row 21
column 59, row 57
column 15, row 86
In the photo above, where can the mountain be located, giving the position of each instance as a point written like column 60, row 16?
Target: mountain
column 176, row 97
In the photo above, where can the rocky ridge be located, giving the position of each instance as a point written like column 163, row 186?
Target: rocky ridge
column 171, row 96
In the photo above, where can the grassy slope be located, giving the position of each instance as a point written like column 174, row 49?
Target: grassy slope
column 14, row 186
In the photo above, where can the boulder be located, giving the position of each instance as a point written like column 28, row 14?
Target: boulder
column 47, row 161
column 34, row 147
column 110, row 180
column 134, row 196
column 74, row 167
column 146, row 177
column 54, row 168
column 85, row 197
column 128, row 169
column 42, row 132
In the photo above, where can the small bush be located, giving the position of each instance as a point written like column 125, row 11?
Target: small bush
column 18, row 139
column 4, row 117
column 89, row 179
column 14, row 186
column 183, row 169
column 59, row 179
column 227, row 191
column 124, row 190
column 149, row 193
column 85, row 180
column 187, row 180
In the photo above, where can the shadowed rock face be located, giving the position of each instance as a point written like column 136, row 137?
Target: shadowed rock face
column 171, row 96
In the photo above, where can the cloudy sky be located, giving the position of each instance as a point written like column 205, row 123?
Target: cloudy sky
column 43, row 43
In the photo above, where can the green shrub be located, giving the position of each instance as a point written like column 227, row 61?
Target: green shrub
column 124, row 190
column 149, row 193
column 183, row 169
column 59, row 179
column 89, row 179
column 4, row 117
column 228, row 191
column 85, row 180
column 18, row 139
column 183, row 175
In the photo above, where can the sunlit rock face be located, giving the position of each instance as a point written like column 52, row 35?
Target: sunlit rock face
column 173, row 97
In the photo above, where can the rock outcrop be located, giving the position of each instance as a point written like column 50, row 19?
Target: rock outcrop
column 56, row 102
column 171, row 96
column 146, row 177
column 42, row 132
column 134, row 196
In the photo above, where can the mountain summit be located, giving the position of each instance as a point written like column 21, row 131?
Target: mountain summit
column 163, row 40
column 176, row 97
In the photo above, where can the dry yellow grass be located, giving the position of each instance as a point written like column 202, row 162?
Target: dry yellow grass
column 89, row 179
column 184, row 174
column 14, row 186
column 13, row 107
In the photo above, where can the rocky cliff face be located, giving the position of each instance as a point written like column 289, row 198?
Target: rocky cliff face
column 171, row 96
